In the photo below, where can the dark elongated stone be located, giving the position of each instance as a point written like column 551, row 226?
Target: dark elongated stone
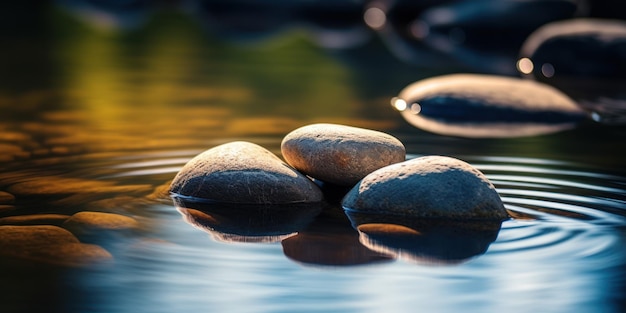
column 470, row 105
column 427, row 187
column 243, row 172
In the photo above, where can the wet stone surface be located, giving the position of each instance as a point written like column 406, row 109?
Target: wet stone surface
column 243, row 172
column 427, row 187
column 340, row 154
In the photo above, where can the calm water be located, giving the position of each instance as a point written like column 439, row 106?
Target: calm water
column 100, row 119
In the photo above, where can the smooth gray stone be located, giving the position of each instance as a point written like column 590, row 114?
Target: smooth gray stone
column 340, row 154
column 427, row 187
column 243, row 172
column 473, row 105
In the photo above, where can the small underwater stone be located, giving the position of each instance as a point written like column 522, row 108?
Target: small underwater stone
column 340, row 154
column 243, row 172
column 473, row 105
column 427, row 187
column 45, row 244
column 6, row 198
column 88, row 225
column 35, row 219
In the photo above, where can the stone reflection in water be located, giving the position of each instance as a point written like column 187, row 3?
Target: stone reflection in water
column 247, row 223
column 486, row 106
column 330, row 241
column 586, row 59
column 425, row 241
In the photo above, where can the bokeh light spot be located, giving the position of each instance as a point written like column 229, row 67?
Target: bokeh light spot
column 375, row 18
column 525, row 65
column 416, row 108
column 547, row 70
column 398, row 104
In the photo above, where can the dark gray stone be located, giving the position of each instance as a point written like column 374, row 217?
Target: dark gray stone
column 340, row 154
column 427, row 187
column 243, row 172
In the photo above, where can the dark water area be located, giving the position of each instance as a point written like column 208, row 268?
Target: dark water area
column 100, row 106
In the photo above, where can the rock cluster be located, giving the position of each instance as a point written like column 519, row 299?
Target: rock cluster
column 371, row 162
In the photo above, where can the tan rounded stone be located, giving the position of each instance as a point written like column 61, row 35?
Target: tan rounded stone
column 340, row 154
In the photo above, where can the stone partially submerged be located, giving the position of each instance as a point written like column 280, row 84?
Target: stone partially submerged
column 427, row 187
column 243, row 172
column 340, row 154
column 472, row 105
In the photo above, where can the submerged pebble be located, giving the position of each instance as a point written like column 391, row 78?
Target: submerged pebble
column 45, row 244
column 243, row 172
column 6, row 198
column 427, row 187
column 89, row 226
column 472, row 105
column 340, row 154
column 35, row 219
column 57, row 185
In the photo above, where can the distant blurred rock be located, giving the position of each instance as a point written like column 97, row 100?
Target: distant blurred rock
column 587, row 48
column 243, row 172
column 487, row 34
column 340, row 154
column 427, row 187
column 468, row 105
column 585, row 58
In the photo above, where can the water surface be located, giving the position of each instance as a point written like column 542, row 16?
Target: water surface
column 104, row 120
